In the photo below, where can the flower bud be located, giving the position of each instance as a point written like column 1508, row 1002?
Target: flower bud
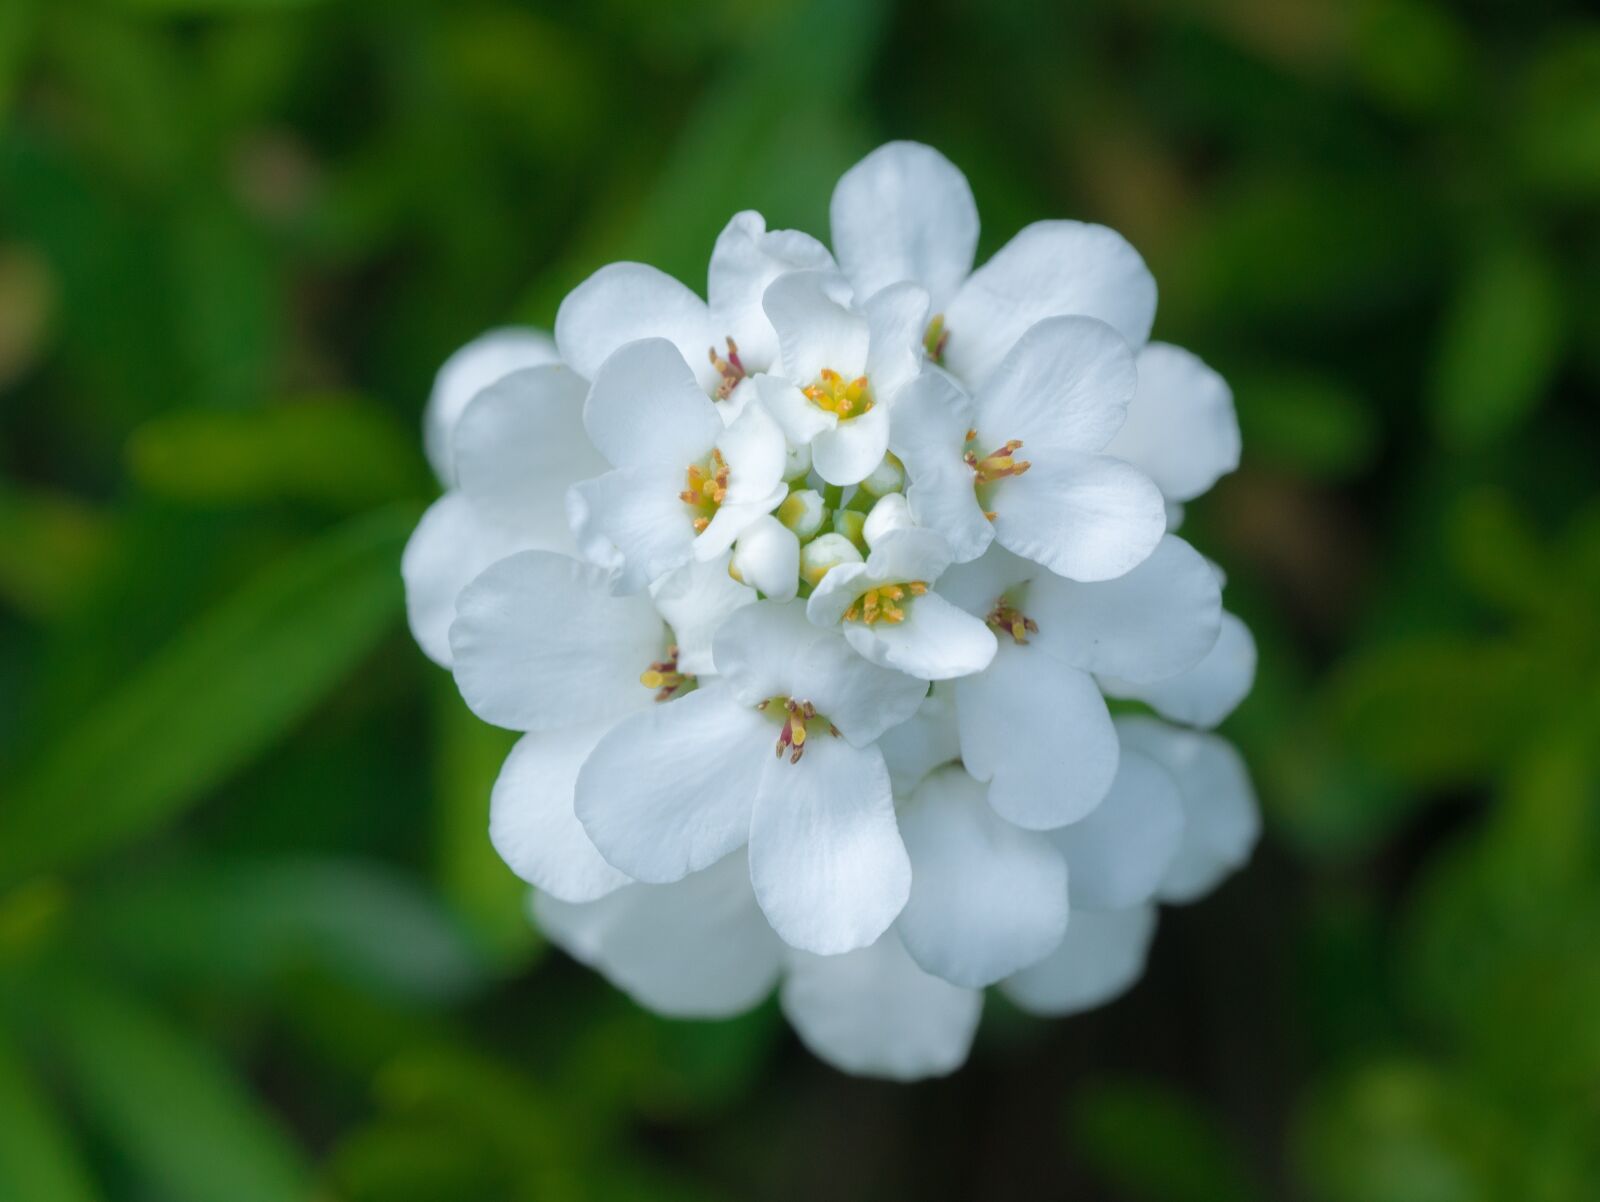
column 798, row 463
column 889, row 476
column 890, row 513
column 824, row 553
column 767, row 558
column 850, row 522
column 803, row 512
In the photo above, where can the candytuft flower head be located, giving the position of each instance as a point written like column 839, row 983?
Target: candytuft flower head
column 808, row 599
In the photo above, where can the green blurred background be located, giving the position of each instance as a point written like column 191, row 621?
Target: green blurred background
column 254, row 944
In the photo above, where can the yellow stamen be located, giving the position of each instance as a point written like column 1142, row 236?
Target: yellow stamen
column 730, row 369
column 707, row 489
column 878, row 604
column 1006, row 618
column 843, row 398
column 664, row 677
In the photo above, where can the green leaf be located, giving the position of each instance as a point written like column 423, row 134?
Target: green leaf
column 172, row 1108
column 342, row 452
column 51, row 548
column 1116, row 1125
column 37, row 1160
column 1557, row 122
column 251, row 924
column 1498, row 347
column 216, row 7
column 219, row 694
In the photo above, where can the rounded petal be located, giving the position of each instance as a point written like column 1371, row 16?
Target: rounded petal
column 800, row 419
column 987, row 898
column 849, row 451
column 474, row 367
column 937, row 640
column 1085, row 517
column 1100, row 959
column 531, row 821
column 635, row 514
column 1209, row 691
column 540, row 643
column 746, row 258
column 976, row 586
column 694, row 600
column 873, row 1012
column 520, row 445
column 623, row 302
column 1182, row 430
column 669, row 791
column 753, row 447
column 450, row 546
column 1050, row 269
column 697, row 948
column 1064, row 387
column 896, row 320
column 826, row 859
column 645, row 407
column 922, row 742
column 1221, row 818
column 1040, row 734
column 905, row 212
column 927, row 431
column 1152, row 623
column 771, row 650
column 815, row 329
column 767, row 557
column 1117, row 856
column 911, row 553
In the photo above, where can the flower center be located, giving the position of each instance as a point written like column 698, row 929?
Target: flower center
column 989, row 469
column 935, row 338
column 664, row 677
column 708, row 485
column 796, row 717
column 883, row 604
column 1006, row 618
column 843, row 398
column 730, row 369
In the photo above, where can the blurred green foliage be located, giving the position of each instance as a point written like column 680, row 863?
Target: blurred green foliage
column 253, row 942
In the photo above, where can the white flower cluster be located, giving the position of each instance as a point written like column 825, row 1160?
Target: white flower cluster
column 809, row 598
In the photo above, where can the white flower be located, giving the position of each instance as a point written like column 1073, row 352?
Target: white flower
column 488, row 358
column 888, row 613
column 1020, row 462
column 778, row 751
column 1181, row 428
column 841, row 367
column 1037, row 709
column 684, row 485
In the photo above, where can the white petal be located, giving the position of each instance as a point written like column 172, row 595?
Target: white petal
column 1181, row 430
column 753, row 447
column 873, row 1012
column 468, row 372
column 540, row 643
column 896, row 319
column 922, row 742
column 697, row 948
column 767, row 558
column 800, row 419
column 1208, row 692
column 849, row 451
column 826, row 859
column 1100, row 959
column 746, row 258
column 1065, row 386
column 531, row 821
column 623, row 302
column 977, row 585
column 1086, row 517
column 905, row 212
column 771, row 650
column 646, row 408
column 911, row 553
column 669, row 791
column 888, row 514
column 1222, row 819
column 1050, row 269
column 815, row 329
column 636, row 514
column 451, row 545
column 1152, row 623
column 937, row 641
column 987, row 898
column 694, row 600
column 520, row 445
column 1040, row 734
column 1117, row 856
column 928, row 432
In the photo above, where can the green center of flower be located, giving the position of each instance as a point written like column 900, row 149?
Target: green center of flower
column 988, row 469
column 800, row 720
column 843, row 398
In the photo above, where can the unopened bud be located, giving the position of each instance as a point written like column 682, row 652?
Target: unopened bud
column 798, row 462
column 824, row 553
column 803, row 512
column 890, row 513
column 767, row 558
column 851, row 523
column 889, row 476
